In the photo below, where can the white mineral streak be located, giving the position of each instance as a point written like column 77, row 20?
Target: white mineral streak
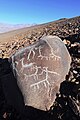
column 40, row 68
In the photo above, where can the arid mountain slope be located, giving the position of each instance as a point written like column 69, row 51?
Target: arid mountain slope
column 9, row 27
column 14, row 40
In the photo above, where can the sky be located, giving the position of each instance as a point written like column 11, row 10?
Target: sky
column 37, row 11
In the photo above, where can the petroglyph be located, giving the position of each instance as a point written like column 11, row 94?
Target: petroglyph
column 52, row 55
column 28, row 58
column 40, row 68
column 44, row 81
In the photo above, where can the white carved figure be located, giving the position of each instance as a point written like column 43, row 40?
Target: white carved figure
column 39, row 69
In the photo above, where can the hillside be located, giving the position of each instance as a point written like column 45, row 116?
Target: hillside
column 4, row 27
column 67, row 102
column 12, row 41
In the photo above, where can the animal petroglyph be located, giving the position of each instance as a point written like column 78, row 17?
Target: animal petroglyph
column 39, row 69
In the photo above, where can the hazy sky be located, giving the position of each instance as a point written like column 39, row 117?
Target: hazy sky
column 37, row 11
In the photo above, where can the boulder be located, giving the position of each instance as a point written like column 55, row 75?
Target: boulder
column 39, row 69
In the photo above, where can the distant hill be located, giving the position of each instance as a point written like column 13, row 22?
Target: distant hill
column 9, row 27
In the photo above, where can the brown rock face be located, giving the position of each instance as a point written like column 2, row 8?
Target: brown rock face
column 40, row 68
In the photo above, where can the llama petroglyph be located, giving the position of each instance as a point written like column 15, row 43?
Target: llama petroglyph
column 39, row 69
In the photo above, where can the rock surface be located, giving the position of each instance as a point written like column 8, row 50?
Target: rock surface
column 40, row 68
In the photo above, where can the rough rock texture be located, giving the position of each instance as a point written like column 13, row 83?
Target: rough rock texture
column 67, row 102
column 40, row 68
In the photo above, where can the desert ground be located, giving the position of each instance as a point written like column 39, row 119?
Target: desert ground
column 67, row 103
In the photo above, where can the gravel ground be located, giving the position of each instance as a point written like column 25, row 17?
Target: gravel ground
column 67, row 103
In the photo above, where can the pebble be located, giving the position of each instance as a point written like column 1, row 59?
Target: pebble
column 75, row 72
column 0, row 51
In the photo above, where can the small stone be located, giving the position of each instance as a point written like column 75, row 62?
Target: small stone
column 73, row 45
column 73, row 80
column 77, row 82
column 0, row 51
column 75, row 72
column 66, row 42
column 79, row 51
column 70, row 30
column 5, row 115
column 76, row 29
column 0, row 55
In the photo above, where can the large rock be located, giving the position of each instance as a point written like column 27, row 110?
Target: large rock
column 39, row 69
